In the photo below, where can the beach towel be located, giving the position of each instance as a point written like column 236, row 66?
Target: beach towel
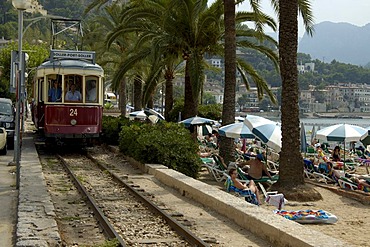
column 308, row 216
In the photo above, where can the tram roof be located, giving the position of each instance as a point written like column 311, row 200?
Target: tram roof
column 70, row 64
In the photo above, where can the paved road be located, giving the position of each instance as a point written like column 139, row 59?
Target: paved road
column 8, row 200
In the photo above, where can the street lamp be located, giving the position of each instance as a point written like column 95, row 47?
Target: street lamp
column 20, row 5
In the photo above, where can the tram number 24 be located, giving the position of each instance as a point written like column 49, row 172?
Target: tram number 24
column 72, row 112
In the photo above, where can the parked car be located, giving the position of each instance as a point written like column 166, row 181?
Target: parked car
column 7, row 120
column 3, row 146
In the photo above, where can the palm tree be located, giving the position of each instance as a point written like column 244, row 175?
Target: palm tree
column 110, row 58
column 291, row 181
column 232, row 63
column 228, row 110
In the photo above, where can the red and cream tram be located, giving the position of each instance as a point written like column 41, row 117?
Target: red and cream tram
column 68, row 97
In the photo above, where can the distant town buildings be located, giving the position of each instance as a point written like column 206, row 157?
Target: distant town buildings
column 343, row 97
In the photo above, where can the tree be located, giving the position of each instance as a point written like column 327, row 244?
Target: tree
column 291, row 179
column 231, row 62
column 37, row 55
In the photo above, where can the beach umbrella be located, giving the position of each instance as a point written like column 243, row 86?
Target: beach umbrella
column 151, row 112
column 366, row 139
column 197, row 121
column 236, row 130
column 303, row 139
column 342, row 133
column 153, row 115
column 138, row 114
column 269, row 132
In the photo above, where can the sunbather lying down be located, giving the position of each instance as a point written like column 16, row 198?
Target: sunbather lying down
column 363, row 180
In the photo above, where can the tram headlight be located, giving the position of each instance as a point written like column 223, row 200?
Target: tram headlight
column 73, row 122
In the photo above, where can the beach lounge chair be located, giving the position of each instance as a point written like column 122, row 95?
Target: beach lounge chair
column 260, row 182
column 248, row 195
column 216, row 168
column 347, row 183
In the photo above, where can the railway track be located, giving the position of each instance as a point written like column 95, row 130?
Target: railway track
column 211, row 228
column 137, row 219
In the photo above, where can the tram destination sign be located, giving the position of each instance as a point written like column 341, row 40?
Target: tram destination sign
column 82, row 55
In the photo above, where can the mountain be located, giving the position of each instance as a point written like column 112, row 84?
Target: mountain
column 343, row 42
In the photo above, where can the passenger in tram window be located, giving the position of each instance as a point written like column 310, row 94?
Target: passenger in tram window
column 73, row 94
column 91, row 93
column 55, row 92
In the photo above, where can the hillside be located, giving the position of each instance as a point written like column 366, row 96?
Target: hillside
column 343, row 42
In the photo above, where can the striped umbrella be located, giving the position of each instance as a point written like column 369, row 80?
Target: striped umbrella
column 342, row 133
column 197, row 121
column 269, row 132
column 236, row 130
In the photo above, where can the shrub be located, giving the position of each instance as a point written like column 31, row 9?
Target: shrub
column 111, row 127
column 165, row 143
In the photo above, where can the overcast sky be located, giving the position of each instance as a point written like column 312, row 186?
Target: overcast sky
column 356, row 12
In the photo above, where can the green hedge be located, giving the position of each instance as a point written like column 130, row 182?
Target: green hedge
column 169, row 144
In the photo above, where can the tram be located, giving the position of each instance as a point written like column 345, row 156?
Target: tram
column 68, row 97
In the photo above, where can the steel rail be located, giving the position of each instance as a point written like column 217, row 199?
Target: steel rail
column 102, row 220
column 178, row 227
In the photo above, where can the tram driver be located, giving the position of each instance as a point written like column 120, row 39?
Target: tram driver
column 73, row 94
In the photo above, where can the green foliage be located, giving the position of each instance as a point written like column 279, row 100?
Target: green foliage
column 112, row 127
column 210, row 111
column 165, row 143
column 108, row 105
column 37, row 54
column 213, row 111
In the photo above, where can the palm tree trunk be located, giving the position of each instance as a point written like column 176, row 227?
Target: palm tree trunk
column 291, row 161
column 138, row 93
column 169, row 93
column 228, row 111
column 122, row 97
column 190, row 104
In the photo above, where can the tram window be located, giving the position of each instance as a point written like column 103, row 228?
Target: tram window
column 41, row 84
column 73, row 88
column 55, row 91
column 91, row 89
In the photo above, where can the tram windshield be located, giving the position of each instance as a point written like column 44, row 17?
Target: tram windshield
column 73, row 88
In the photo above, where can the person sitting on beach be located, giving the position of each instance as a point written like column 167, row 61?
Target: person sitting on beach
column 335, row 156
column 257, row 169
column 242, row 186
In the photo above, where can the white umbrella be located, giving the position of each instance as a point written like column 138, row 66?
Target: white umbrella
column 151, row 112
column 269, row 132
column 138, row 114
column 197, row 121
column 236, row 130
column 342, row 133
